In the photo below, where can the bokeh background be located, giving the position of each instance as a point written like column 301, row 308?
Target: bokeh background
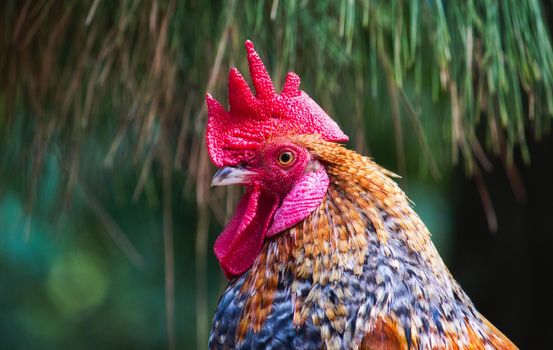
column 106, row 215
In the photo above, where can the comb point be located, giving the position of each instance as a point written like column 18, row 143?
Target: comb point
column 264, row 88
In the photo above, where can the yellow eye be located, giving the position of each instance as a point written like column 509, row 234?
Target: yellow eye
column 286, row 158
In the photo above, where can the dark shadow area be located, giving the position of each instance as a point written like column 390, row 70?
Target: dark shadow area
column 507, row 274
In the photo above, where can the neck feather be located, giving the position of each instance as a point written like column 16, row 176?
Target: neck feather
column 363, row 241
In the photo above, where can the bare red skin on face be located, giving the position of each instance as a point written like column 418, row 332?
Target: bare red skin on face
column 277, row 198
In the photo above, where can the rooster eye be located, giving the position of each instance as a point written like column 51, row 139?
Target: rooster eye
column 286, row 158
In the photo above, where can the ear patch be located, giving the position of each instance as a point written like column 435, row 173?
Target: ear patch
column 306, row 196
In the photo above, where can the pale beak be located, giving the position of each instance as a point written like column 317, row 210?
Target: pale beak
column 231, row 176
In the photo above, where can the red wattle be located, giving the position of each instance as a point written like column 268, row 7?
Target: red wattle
column 240, row 242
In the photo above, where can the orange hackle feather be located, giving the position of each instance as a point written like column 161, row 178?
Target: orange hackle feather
column 363, row 207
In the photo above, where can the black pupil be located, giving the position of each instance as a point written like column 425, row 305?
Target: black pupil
column 285, row 157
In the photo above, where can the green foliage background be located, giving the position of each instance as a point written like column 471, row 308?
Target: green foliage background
column 106, row 216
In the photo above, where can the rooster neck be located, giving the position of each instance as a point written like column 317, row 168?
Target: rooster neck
column 360, row 270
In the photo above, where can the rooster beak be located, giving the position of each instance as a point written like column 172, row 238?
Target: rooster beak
column 231, row 176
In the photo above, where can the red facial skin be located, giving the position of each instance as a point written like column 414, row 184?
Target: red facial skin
column 274, row 177
column 240, row 242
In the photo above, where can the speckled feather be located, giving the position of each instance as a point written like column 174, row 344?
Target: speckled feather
column 359, row 273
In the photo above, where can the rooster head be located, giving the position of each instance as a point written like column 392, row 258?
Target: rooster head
column 251, row 145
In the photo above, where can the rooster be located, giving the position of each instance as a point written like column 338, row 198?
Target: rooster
column 324, row 250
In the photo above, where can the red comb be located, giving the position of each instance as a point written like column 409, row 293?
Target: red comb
column 233, row 136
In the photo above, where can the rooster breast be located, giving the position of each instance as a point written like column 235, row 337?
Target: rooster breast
column 276, row 332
